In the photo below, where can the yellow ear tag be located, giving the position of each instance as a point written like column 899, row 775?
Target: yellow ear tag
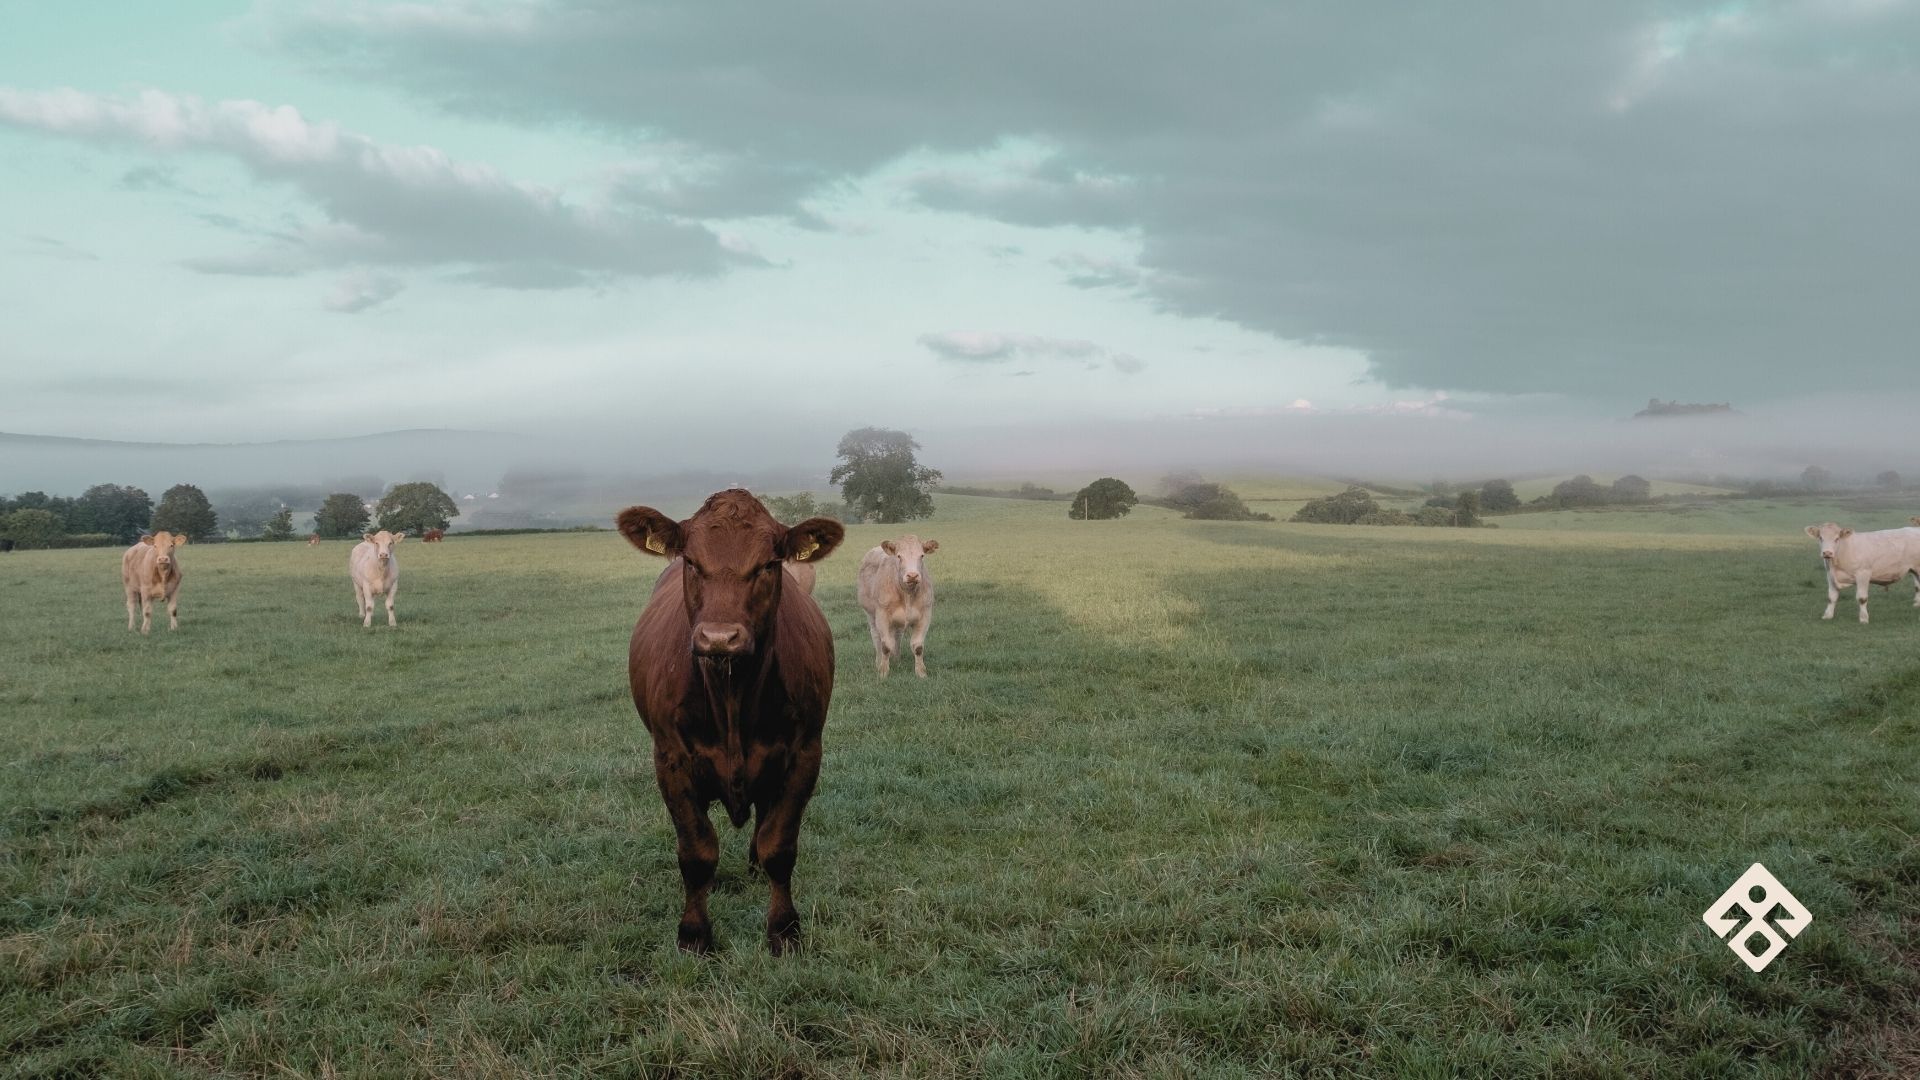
column 654, row 545
column 806, row 553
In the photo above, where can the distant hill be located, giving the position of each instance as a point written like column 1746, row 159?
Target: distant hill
column 1657, row 408
column 61, row 465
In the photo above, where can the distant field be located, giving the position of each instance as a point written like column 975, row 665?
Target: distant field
column 1783, row 517
column 1180, row 799
column 1535, row 486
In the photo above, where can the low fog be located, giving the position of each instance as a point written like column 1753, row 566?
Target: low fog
column 560, row 478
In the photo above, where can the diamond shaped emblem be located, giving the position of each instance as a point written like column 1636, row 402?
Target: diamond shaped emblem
column 1753, row 913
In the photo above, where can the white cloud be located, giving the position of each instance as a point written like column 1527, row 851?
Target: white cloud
column 361, row 290
column 989, row 347
column 383, row 204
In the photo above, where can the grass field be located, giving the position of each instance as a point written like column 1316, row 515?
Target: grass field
column 1180, row 799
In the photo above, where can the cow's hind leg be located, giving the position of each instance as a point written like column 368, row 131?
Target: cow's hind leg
column 133, row 605
column 699, row 850
column 776, row 843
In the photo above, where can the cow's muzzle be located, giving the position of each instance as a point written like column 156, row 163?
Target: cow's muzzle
column 722, row 640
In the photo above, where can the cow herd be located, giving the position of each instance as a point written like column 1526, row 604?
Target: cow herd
column 731, row 661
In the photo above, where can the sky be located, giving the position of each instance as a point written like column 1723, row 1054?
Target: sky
column 727, row 230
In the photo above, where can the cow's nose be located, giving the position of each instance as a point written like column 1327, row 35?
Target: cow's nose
column 913, row 579
column 721, row 639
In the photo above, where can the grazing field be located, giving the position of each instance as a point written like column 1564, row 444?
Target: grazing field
column 1180, row 799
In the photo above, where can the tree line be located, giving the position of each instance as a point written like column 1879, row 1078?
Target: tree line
column 109, row 514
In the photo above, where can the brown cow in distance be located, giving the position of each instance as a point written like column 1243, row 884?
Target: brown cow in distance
column 731, row 669
column 433, row 536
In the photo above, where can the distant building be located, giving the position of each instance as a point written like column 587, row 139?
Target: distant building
column 1657, row 408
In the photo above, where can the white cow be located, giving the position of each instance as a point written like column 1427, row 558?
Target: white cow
column 897, row 594
column 376, row 573
column 149, row 571
column 1866, row 559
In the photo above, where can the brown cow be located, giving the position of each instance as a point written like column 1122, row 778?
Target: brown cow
column 731, row 671
column 149, row 572
column 433, row 536
column 312, row 539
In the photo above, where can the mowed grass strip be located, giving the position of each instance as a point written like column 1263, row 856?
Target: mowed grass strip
column 1179, row 799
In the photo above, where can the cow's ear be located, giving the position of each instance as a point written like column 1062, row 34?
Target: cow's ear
column 812, row 540
column 399, row 536
column 147, row 539
column 1915, row 520
column 887, row 546
column 1844, row 533
column 1813, row 531
column 367, row 536
column 929, row 547
column 651, row 531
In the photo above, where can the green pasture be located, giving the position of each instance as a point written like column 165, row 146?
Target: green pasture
column 1179, row 799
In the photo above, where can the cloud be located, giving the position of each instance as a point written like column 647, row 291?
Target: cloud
column 1596, row 200
column 991, row 347
column 361, row 290
column 383, row 205
column 53, row 248
column 1434, row 405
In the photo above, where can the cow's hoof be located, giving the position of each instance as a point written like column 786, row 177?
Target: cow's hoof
column 784, row 939
column 697, row 940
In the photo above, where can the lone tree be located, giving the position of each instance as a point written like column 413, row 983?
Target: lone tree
column 880, row 479
column 1466, row 510
column 1206, row 501
column 416, row 507
column 112, row 509
column 1581, row 490
column 184, row 509
column 1888, row 479
column 1631, row 488
column 794, row 509
column 341, row 516
column 1346, row 508
column 1815, row 478
column 280, row 525
column 1103, row 500
column 1497, row 496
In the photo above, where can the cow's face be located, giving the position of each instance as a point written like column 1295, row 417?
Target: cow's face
column 912, row 553
column 1828, row 535
column 163, row 544
column 731, row 553
column 383, row 542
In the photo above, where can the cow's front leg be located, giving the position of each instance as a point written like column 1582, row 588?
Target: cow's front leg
column 882, row 644
column 920, row 644
column 1833, row 594
column 1861, row 592
column 776, row 843
column 392, row 592
column 699, row 848
column 146, row 612
column 173, row 611
column 133, row 609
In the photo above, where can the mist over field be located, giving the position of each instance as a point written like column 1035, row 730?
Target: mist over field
column 690, row 453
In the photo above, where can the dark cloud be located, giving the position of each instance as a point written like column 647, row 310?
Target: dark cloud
column 1692, row 199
